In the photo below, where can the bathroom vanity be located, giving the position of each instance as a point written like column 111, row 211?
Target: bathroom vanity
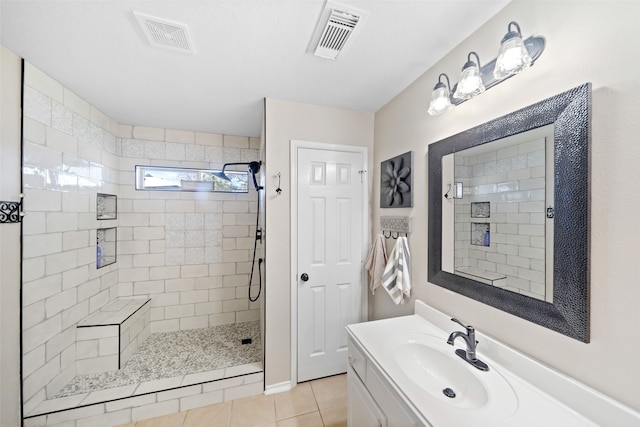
column 402, row 373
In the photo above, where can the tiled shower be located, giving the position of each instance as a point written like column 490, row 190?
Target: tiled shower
column 185, row 256
column 500, row 225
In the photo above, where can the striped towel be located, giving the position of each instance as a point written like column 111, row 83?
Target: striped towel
column 396, row 278
column 376, row 262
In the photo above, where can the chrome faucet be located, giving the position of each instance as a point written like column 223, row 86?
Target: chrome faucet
column 470, row 338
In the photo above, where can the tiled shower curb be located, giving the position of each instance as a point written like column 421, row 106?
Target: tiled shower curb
column 151, row 404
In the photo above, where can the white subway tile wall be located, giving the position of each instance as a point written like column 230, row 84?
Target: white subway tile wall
column 106, row 340
column 188, row 252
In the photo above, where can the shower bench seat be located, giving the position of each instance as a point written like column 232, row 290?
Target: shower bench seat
column 106, row 339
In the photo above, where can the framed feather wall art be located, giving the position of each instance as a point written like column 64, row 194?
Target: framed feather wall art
column 396, row 182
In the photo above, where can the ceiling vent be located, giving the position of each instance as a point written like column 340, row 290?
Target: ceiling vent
column 336, row 26
column 165, row 34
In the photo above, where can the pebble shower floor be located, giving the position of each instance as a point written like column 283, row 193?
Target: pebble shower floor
column 171, row 354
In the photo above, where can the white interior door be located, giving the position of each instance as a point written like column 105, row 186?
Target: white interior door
column 330, row 206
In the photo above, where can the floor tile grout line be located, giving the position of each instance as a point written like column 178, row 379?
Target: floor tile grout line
column 297, row 415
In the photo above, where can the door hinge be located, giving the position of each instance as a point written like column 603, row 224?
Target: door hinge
column 362, row 173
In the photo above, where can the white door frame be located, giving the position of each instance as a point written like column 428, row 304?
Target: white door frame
column 295, row 145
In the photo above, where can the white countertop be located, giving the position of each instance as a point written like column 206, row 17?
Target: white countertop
column 544, row 397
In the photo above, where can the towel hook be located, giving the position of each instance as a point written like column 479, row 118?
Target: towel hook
column 446, row 195
column 394, row 234
column 457, row 191
column 278, row 190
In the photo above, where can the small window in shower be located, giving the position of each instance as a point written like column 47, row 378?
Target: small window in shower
column 160, row 178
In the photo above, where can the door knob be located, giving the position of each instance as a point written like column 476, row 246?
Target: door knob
column 304, row 277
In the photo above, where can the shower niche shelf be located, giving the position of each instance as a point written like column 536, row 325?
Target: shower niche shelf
column 480, row 234
column 480, row 209
column 106, row 239
column 106, row 206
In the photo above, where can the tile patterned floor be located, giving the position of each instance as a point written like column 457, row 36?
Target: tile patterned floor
column 318, row 403
column 172, row 354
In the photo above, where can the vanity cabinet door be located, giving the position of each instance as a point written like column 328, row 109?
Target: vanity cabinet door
column 362, row 410
column 396, row 412
column 357, row 361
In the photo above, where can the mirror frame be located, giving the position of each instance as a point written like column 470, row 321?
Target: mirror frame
column 570, row 113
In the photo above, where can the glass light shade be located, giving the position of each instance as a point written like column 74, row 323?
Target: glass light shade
column 513, row 56
column 440, row 101
column 470, row 83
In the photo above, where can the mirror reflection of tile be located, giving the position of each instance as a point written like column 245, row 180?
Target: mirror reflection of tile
column 480, row 234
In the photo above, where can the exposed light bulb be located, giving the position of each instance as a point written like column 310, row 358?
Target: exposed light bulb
column 440, row 101
column 470, row 83
column 513, row 56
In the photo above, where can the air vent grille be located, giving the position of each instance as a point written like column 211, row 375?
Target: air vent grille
column 336, row 32
column 165, row 34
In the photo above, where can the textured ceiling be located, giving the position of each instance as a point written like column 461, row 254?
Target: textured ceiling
column 246, row 51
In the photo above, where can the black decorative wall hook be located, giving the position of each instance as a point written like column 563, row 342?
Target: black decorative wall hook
column 11, row 212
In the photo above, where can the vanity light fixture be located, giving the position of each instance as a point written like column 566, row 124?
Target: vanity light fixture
column 470, row 83
column 441, row 97
column 515, row 55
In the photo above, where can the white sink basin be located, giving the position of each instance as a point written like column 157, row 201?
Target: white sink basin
column 435, row 372
column 428, row 366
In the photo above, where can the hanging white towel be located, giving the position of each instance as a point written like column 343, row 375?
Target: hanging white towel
column 376, row 262
column 396, row 278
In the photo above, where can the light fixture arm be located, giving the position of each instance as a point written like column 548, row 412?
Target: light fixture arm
column 514, row 23
column 512, row 33
column 470, row 62
column 440, row 81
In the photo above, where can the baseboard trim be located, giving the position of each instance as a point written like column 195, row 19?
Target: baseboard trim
column 277, row 388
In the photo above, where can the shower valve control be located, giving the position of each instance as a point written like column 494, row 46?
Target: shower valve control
column 304, row 277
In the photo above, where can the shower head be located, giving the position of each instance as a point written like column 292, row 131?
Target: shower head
column 222, row 175
column 253, row 167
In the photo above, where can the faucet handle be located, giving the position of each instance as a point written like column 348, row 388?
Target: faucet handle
column 469, row 328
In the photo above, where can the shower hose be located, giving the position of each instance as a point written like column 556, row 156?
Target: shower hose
column 260, row 260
